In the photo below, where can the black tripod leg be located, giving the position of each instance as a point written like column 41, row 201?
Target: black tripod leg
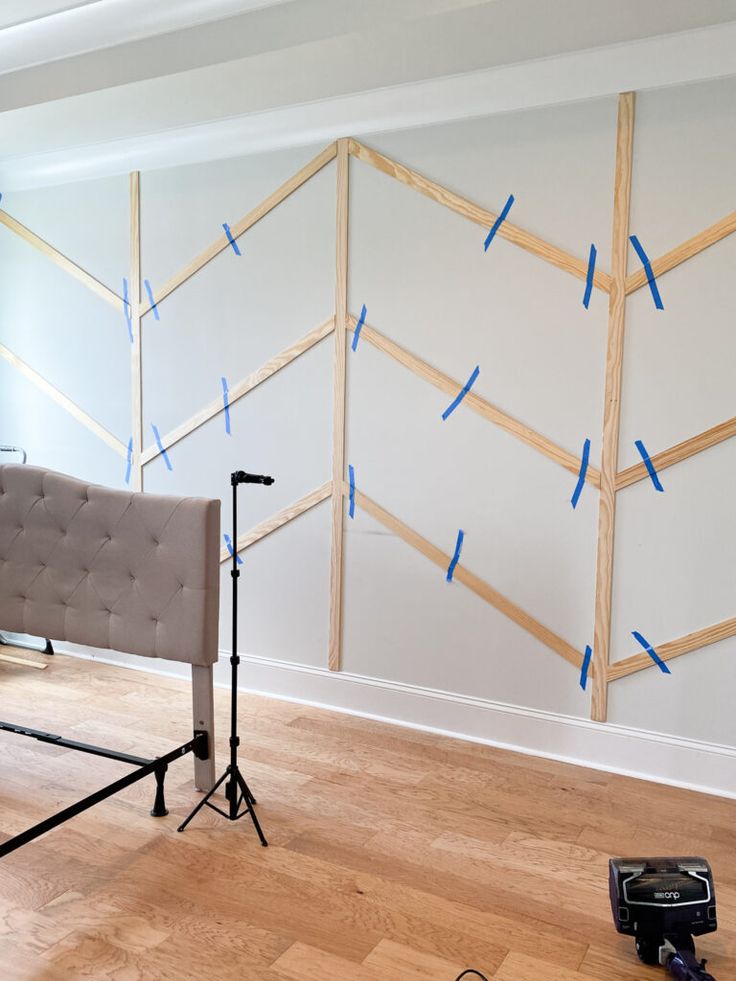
column 248, row 797
column 159, row 803
column 204, row 800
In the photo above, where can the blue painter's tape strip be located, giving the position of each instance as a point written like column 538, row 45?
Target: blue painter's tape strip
column 230, row 239
column 651, row 652
column 589, row 276
column 581, row 476
column 648, row 270
column 456, row 556
column 498, row 222
column 586, row 666
column 161, row 449
column 126, row 309
column 351, row 477
column 226, row 401
column 359, row 327
column 151, row 299
column 649, row 465
column 130, row 460
column 461, row 394
column 229, row 543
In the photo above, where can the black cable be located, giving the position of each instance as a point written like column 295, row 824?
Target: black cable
column 471, row 970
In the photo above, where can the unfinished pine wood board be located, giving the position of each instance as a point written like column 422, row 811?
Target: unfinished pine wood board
column 236, row 230
column 467, row 578
column 334, row 654
column 681, row 253
column 525, row 240
column 20, row 656
column 473, row 401
column 282, row 517
column 675, row 454
column 136, row 348
column 674, row 648
column 66, row 403
column 242, row 387
column 612, row 405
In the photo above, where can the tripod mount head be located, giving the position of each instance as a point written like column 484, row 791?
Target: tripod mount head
column 241, row 477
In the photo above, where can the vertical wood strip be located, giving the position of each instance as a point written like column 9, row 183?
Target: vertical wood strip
column 612, row 405
column 338, row 405
column 136, row 380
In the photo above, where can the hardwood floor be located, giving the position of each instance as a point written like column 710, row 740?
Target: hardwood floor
column 395, row 855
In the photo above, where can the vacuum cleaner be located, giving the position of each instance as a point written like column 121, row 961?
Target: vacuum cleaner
column 663, row 903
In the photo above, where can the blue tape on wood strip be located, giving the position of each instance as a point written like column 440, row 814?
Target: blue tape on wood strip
column 126, row 309
column 649, row 465
column 498, row 222
column 226, row 402
column 461, row 394
column 151, row 299
column 359, row 327
column 581, row 476
column 230, row 239
column 351, row 478
column 161, row 449
column 648, row 270
column 651, row 652
column 586, row 666
column 229, row 543
column 130, row 460
column 456, row 556
column 589, row 276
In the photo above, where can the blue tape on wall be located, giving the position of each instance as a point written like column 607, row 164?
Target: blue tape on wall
column 150, row 299
column 230, row 239
column 229, row 543
column 649, row 465
column 498, row 222
column 586, row 666
column 456, row 556
column 359, row 327
column 130, row 460
column 581, row 476
column 651, row 652
column 648, row 270
column 226, row 401
column 589, row 276
column 351, row 477
column 126, row 309
column 161, row 449
column 461, row 394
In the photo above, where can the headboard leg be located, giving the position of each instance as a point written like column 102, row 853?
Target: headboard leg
column 203, row 706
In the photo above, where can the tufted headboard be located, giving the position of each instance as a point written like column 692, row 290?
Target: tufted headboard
column 137, row 573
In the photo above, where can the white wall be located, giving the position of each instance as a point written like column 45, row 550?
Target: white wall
column 427, row 284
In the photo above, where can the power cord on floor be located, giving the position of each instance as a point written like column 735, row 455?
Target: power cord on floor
column 472, row 970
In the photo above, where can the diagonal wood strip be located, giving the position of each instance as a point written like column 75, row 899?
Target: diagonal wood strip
column 254, row 216
column 66, row 403
column 475, row 402
column 675, row 454
column 674, row 648
column 278, row 520
column 242, row 388
column 681, row 253
column 62, row 261
column 467, row 578
column 461, row 206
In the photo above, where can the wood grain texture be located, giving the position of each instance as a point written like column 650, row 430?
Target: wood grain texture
column 339, row 395
column 481, row 216
column 136, row 348
column 66, row 403
column 62, row 261
column 282, row 517
column 675, row 454
column 242, row 387
column 473, row 401
column 467, row 578
column 248, row 221
column 703, row 240
column 612, row 405
column 674, row 648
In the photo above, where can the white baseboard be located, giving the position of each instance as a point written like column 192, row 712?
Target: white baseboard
column 705, row 767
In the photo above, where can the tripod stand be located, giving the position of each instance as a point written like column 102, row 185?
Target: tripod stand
column 237, row 791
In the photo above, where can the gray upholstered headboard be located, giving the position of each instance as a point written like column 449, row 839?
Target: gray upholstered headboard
column 137, row 573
